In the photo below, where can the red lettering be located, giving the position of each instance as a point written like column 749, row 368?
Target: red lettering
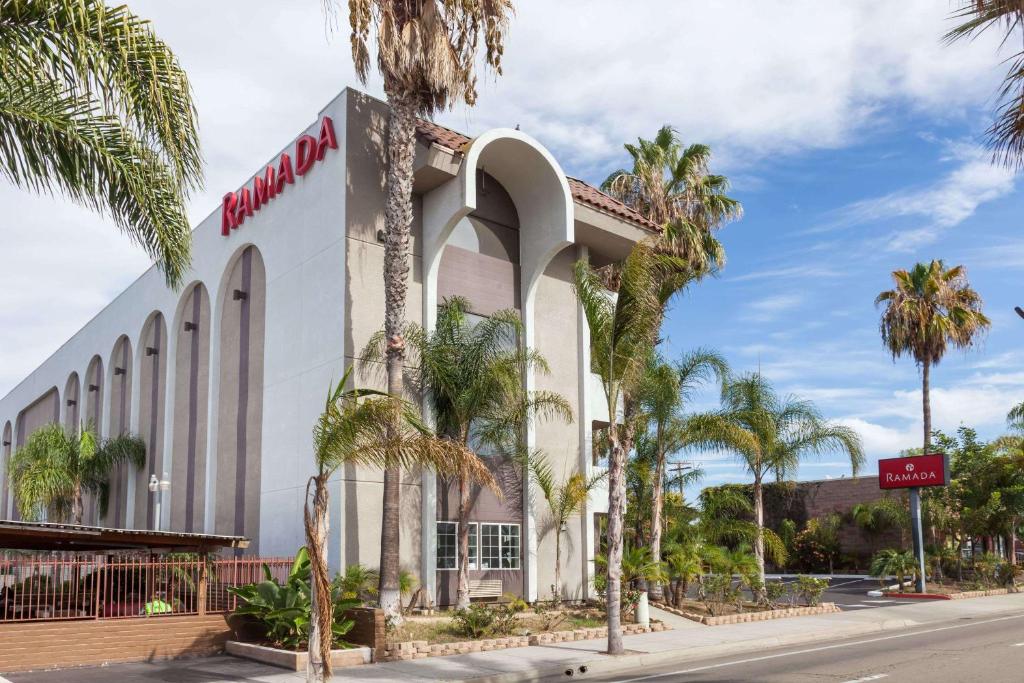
column 327, row 138
column 284, row 172
column 227, row 213
column 244, row 206
column 260, row 193
column 270, row 178
column 305, row 154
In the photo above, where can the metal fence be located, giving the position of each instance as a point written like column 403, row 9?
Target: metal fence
column 124, row 587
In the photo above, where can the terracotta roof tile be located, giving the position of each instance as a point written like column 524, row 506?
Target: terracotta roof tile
column 581, row 191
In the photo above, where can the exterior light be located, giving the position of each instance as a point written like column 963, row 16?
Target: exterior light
column 7, row 443
column 94, row 387
column 190, row 326
column 72, row 402
column 150, row 351
column 118, row 371
column 239, row 295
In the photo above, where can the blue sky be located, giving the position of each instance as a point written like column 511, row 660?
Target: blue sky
column 852, row 135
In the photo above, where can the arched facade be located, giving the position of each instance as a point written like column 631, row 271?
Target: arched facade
column 119, row 381
column 239, row 407
column 41, row 412
column 191, row 401
column 93, row 395
column 5, row 452
column 72, row 403
column 152, row 366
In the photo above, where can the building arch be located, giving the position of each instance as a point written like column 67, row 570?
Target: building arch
column 119, row 384
column 72, row 402
column 5, row 453
column 41, row 412
column 242, row 323
column 191, row 400
column 152, row 353
column 92, row 394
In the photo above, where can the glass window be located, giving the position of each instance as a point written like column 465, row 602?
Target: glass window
column 447, row 545
column 472, row 546
column 499, row 546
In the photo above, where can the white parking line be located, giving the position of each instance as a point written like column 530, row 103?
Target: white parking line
column 1017, row 645
column 880, row 602
column 855, row 605
column 875, row 677
column 793, row 653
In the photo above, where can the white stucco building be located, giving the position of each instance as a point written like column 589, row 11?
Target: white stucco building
column 225, row 377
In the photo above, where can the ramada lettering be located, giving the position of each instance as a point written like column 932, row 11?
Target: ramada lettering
column 308, row 150
column 910, row 477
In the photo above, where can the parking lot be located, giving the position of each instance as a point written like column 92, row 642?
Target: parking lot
column 851, row 593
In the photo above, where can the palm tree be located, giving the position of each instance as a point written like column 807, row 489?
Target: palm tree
column 357, row 427
column 898, row 563
column 94, row 105
column 55, row 468
column 771, row 435
column 565, row 501
column 876, row 517
column 472, row 373
column 929, row 309
column 1006, row 134
column 623, row 333
column 665, row 389
column 426, row 53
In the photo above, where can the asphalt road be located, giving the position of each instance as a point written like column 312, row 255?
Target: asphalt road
column 984, row 649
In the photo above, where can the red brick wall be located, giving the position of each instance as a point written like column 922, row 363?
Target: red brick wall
column 56, row 644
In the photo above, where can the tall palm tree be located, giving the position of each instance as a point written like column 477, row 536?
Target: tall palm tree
column 929, row 309
column 1006, row 134
column 623, row 333
column 565, row 501
column 472, row 373
column 426, row 54
column 771, row 435
column 55, row 468
column 664, row 391
column 357, row 427
column 94, row 105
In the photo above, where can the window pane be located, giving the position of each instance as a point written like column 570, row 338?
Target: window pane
column 472, row 546
column 510, row 546
column 490, row 546
column 447, row 545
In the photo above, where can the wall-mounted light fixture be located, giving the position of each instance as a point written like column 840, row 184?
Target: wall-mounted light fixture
column 94, row 387
column 190, row 326
column 7, row 443
column 118, row 371
column 381, row 236
column 150, row 351
column 239, row 295
column 72, row 402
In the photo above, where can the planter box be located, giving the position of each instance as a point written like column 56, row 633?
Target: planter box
column 296, row 661
column 966, row 595
column 745, row 617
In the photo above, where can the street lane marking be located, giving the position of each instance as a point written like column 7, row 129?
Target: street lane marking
column 880, row 602
column 1017, row 645
column 763, row 658
column 868, row 678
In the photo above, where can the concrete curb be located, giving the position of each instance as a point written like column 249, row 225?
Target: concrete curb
column 603, row 664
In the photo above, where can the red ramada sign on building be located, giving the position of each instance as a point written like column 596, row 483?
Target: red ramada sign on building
column 237, row 206
column 917, row 471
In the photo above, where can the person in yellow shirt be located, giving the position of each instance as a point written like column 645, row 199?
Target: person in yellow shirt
column 157, row 605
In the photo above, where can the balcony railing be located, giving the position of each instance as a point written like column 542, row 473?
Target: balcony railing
column 114, row 587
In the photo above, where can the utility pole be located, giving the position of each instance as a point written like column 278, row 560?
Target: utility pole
column 678, row 468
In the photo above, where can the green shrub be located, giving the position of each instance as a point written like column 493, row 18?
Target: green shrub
column 283, row 610
column 716, row 592
column 484, row 621
column 810, row 589
column 774, row 593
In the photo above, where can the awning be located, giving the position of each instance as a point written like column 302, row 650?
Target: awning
column 77, row 538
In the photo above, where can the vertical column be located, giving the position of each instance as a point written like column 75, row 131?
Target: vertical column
column 586, row 436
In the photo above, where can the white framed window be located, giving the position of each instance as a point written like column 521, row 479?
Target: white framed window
column 473, row 546
column 499, row 546
column 447, row 545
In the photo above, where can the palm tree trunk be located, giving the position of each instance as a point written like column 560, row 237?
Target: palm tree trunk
column 401, row 148
column 759, row 521
column 659, row 474
column 78, row 509
column 557, row 593
column 616, row 507
column 462, row 594
column 317, row 522
column 926, row 403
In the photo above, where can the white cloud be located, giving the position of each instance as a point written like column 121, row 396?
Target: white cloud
column 771, row 307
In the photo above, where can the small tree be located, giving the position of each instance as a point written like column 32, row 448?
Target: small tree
column 565, row 501
column 55, row 468
column 357, row 427
column 890, row 562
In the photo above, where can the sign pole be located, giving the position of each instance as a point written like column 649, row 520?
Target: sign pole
column 915, row 523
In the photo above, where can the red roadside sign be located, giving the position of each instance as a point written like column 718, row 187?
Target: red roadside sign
column 931, row 469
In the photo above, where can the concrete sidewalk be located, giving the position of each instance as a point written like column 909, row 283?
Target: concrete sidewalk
column 534, row 663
